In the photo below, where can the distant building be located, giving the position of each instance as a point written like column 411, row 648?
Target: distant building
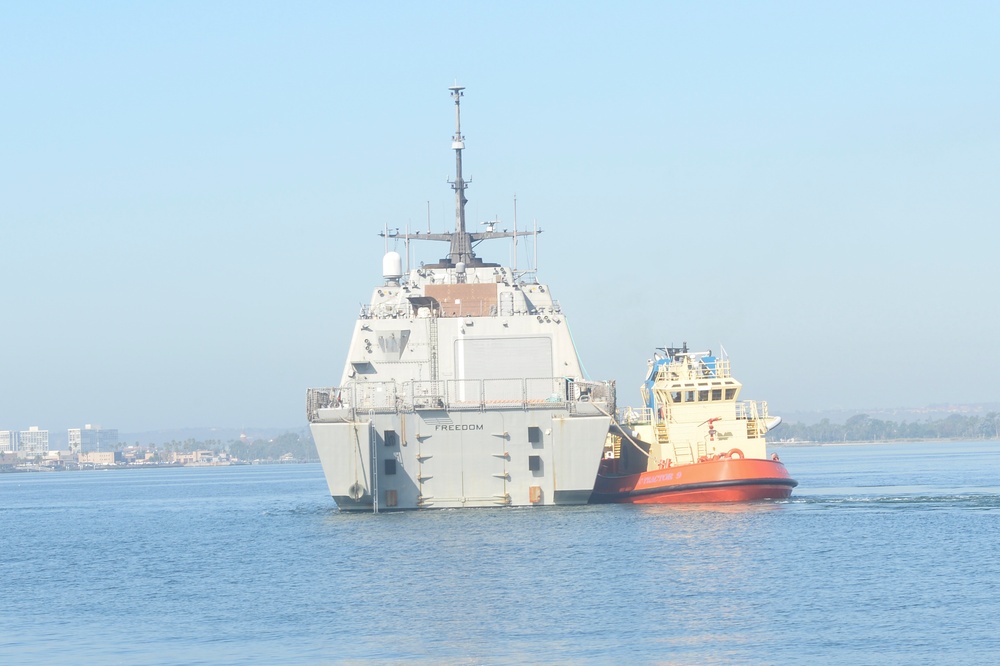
column 8, row 461
column 8, row 441
column 92, row 438
column 203, row 457
column 33, row 442
column 99, row 458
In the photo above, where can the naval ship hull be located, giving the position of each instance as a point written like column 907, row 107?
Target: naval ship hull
column 436, row 458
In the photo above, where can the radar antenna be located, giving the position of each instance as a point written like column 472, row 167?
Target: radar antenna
column 461, row 240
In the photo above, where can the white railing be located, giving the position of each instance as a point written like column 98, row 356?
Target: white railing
column 635, row 415
column 467, row 394
column 751, row 409
column 694, row 369
column 424, row 394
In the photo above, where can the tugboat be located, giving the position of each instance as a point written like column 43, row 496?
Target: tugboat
column 693, row 440
column 462, row 386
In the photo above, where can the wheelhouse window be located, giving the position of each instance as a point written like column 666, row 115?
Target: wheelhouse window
column 716, row 394
column 730, row 393
column 703, row 396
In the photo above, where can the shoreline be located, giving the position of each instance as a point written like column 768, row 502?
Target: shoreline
column 33, row 468
column 804, row 443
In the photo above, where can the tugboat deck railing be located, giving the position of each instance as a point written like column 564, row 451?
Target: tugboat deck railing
column 694, row 369
column 746, row 410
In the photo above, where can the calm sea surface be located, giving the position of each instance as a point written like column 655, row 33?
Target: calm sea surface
column 886, row 554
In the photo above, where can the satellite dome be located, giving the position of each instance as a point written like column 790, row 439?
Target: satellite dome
column 392, row 266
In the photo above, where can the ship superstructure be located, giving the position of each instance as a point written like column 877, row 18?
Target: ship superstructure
column 692, row 409
column 462, row 387
column 693, row 440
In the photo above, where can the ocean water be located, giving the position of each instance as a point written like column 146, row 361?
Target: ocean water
column 886, row 554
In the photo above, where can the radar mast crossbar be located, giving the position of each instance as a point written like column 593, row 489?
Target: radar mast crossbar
column 461, row 240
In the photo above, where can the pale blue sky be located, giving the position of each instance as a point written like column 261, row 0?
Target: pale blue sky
column 190, row 192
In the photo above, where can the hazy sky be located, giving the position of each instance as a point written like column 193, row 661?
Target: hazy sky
column 191, row 192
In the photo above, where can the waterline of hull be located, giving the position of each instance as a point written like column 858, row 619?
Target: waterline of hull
column 734, row 480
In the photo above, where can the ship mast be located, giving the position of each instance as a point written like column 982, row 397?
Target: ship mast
column 461, row 244
column 461, row 240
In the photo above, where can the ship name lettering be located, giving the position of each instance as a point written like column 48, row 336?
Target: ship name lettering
column 460, row 426
column 661, row 476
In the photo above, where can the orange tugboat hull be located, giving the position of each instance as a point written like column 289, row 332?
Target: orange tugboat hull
column 727, row 480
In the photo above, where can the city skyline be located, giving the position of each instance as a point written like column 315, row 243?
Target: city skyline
column 191, row 199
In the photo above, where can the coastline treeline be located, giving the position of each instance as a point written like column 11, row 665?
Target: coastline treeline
column 863, row 428
column 289, row 445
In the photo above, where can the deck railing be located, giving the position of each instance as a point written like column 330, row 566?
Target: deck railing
column 751, row 409
column 465, row 394
column 694, row 369
column 635, row 415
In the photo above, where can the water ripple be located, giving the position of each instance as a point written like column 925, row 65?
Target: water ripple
column 872, row 560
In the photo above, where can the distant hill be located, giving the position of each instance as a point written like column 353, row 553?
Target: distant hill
column 57, row 439
column 224, row 435
column 898, row 414
column 952, row 422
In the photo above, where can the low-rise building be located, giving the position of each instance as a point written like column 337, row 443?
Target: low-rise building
column 97, row 458
column 8, row 461
column 133, row 454
column 203, row 457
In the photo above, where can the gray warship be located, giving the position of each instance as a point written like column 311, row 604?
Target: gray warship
column 462, row 386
